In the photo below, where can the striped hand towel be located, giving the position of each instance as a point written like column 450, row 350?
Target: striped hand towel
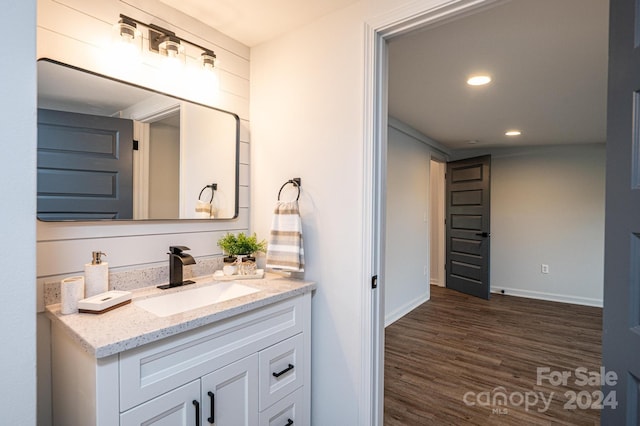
column 284, row 249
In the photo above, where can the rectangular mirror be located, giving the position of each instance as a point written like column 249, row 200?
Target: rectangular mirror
column 109, row 150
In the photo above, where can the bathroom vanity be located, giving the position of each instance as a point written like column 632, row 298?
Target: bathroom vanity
column 243, row 361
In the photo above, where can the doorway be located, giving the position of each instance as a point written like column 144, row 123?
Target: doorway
column 376, row 112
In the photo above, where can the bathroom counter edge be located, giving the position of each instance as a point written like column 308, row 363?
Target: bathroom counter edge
column 130, row 326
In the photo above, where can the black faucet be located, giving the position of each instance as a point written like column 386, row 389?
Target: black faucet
column 177, row 259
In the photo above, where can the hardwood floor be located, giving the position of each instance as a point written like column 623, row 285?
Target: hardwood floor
column 456, row 350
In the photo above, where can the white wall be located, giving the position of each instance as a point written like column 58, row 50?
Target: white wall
column 206, row 159
column 164, row 170
column 306, row 111
column 547, row 206
column 17, row 232
column 407, row 234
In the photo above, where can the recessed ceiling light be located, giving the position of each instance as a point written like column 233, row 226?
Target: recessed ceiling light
column 478, row 80
column 513, row 133
column 472, row 142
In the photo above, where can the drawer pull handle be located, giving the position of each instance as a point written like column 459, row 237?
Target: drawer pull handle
column 197, row 405
column 213, row 407
column 289, row 368
column 289, row 422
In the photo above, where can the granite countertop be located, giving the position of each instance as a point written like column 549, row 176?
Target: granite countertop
column 130, row 326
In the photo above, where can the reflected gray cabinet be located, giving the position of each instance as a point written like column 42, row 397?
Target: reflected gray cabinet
column 250, row 369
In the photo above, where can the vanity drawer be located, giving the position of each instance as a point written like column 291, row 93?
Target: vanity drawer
column 289, row 411
column 154, row 369
column 281, row 370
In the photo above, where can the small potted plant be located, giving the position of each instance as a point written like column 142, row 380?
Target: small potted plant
column 242, row 246
column 249, row 245
column 228, row 246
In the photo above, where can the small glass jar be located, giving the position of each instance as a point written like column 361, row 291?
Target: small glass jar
column 230, row 265
column 248, row 266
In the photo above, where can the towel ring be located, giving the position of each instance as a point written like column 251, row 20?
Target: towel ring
column 213, row 186
column 295, row 182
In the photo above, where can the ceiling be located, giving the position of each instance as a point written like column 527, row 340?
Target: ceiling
column 255, row 21
column 547, row 58
column 548, row 62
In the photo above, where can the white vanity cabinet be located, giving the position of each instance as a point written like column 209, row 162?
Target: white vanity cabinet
column 250, row 369
column 228, row 396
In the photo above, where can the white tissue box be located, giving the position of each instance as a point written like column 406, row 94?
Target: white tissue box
column 104, row 302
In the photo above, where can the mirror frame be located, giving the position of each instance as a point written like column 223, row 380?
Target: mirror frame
column 178, row 98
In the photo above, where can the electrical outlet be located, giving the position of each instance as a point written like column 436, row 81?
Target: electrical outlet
column 425, row 270
column 544, row 268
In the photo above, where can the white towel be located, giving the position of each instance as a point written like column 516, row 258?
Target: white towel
column 284, row 249
column 203, row 210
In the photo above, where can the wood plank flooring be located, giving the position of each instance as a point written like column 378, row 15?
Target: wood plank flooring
column 456, row 345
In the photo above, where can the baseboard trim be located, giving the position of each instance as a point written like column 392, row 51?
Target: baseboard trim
column 552, row 297
column 435, row 281
column 403, row 310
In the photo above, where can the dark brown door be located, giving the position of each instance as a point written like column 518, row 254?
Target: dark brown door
column 468, row 225
column 621, row 328
column 85, row 166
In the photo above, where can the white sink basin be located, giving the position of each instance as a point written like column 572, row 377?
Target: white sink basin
column 186, row 300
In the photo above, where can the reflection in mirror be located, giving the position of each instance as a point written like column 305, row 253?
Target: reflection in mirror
column 111, row 150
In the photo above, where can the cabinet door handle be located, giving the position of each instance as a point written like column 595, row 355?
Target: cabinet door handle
column 197, row 405
column 289, row 422
column 289, row 368
column 211, row 419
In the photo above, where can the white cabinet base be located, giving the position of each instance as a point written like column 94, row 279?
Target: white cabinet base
column 166, row 382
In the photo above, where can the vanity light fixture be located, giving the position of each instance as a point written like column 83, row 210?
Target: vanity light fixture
column 478, row 80
column 127, row 37
column 167, row 44
column 513, row 133
column 164, row 42
column 208, row 60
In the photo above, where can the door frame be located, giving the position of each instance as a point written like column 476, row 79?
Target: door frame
column 378, row 30
column 437, row 228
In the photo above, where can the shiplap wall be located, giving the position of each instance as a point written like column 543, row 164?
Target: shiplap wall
column 78, row 32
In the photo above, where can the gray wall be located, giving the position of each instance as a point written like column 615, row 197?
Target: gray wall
column 17, row 232
column 406, row 283
column 547, row 206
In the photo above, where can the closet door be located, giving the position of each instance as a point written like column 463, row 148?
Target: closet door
column 468, row 225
